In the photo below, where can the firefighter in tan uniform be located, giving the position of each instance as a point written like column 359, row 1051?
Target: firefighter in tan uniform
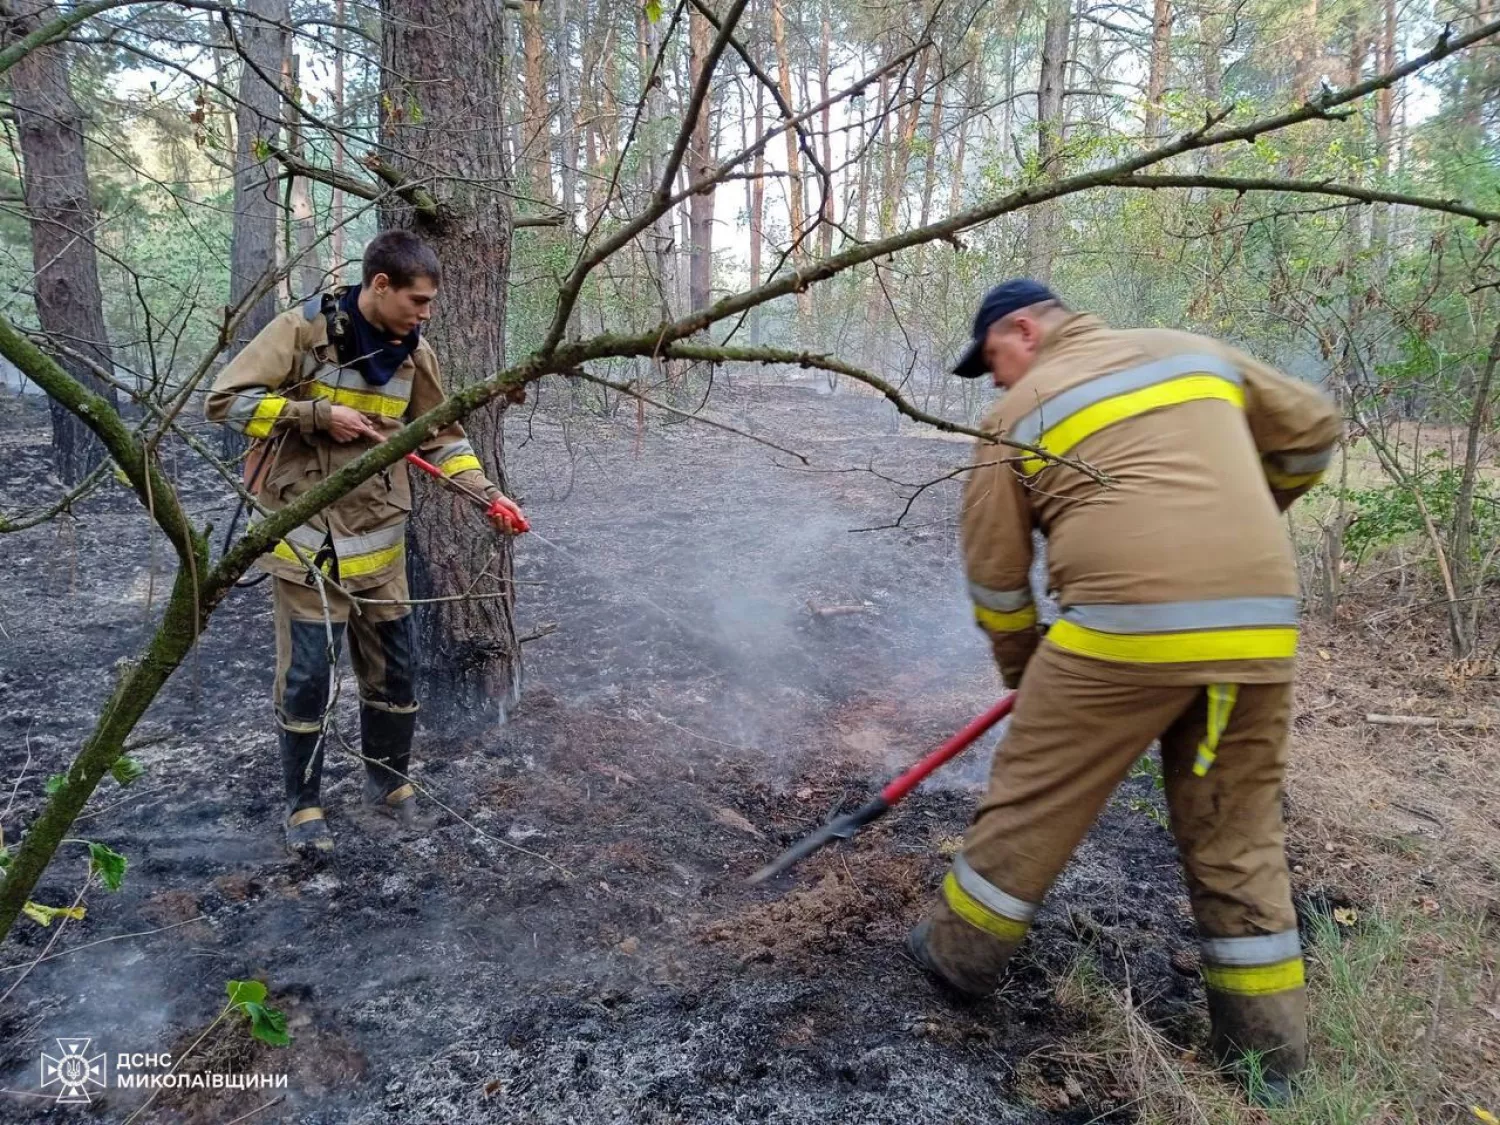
column 315, row 389
column 1179, row 600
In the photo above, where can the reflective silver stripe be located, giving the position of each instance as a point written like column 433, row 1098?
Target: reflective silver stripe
column 1296, row 464
column 1266, row 949
column 308, row 538
column 452, row 449
column 370, row 542
column 244, row 406
column 1031, row 427
column 1001, row 601
column 1182, row 617
column 989, row 895
column 349, row 379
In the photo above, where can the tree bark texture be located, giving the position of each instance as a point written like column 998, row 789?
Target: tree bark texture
column 55, row 184
column 793, row 156
column 1041, row 221
column 1156, row 78
column 537, row 167
column 700, row 164
column 252, row 245
column 308, row 274
column 448, row 56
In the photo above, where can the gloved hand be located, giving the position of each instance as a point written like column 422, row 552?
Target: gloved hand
column 505, row 514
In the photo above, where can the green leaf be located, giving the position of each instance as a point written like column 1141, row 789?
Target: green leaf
column 267, row 1024
column 4, row 857
column 262, row 149
column 242, row 992
column 108, row 863
column 653, row 10
column 54, row 783
column 44, row 915
column 126, row 769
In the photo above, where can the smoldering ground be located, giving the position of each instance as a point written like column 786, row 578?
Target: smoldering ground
column 661, row 753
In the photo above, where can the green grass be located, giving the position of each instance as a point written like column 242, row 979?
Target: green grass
column 1394, row 1003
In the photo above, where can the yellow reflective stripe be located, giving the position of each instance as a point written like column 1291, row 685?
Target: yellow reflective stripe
column 461, row 464
column 283, row 550
column 1175, row 648
column 997, row 622
column 1256, row 980
column 1285, row 482
column 1221, row 699
column 1090, row 420
column 266, row 412
column 363, row 401
column 360, row 565
column 974, row 912
column 355, row 566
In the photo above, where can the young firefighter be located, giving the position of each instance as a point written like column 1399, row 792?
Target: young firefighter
column 316, row 388
column 1179, row 603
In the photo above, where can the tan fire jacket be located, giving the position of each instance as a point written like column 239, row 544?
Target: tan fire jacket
column 1178, row 570
column 280, row 388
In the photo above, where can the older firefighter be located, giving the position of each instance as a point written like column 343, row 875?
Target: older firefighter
column 315, row 389
column 1179, row 603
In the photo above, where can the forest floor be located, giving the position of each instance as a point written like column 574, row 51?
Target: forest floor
column 581, row 945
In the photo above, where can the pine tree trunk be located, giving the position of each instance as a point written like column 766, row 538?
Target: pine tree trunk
column 448, row 56
column 1156, row 80
column 1041, row 221
column 825, row 232
column 252, row 245
column 336, row 216
column 55, row 183
column 793, row 156
column 304, row 226
column 535, row 131
column 567, row 115
column 757, row 209
column 700, row 163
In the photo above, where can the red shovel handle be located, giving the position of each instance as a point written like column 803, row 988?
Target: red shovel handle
column 900, row 786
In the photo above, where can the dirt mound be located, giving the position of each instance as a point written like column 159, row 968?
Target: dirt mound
column 866, row 901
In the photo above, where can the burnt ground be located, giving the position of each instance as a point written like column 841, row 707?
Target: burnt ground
column 659, row 756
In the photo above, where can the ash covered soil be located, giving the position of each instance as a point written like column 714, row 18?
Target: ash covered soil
column 660, row 754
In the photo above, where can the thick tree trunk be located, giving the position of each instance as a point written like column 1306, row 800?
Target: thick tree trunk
column 336, row 216
column 825, row 232
column 1041, row 221
column 308, row 274
column 793, row 156
column 1156, row 78
column 567, row 115
column 535, row 147
column 55, row 183
column 1385, row 120
column 663, row 237
column 252, row 246
column 757, row 208
column 700, row 163
column 449, row 54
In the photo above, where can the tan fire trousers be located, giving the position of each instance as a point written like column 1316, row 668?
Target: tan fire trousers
column 382, row 648
column 1072, row 740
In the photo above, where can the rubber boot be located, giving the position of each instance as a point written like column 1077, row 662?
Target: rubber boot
column 1262, row 1040
column 307, row 834
column 961, row 958
column 385, row 741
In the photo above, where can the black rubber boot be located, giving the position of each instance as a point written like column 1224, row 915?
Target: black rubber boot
column 307, row 834
column 385, row 741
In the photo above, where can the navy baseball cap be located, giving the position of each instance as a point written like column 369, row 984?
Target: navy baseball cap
column 1001, row 301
